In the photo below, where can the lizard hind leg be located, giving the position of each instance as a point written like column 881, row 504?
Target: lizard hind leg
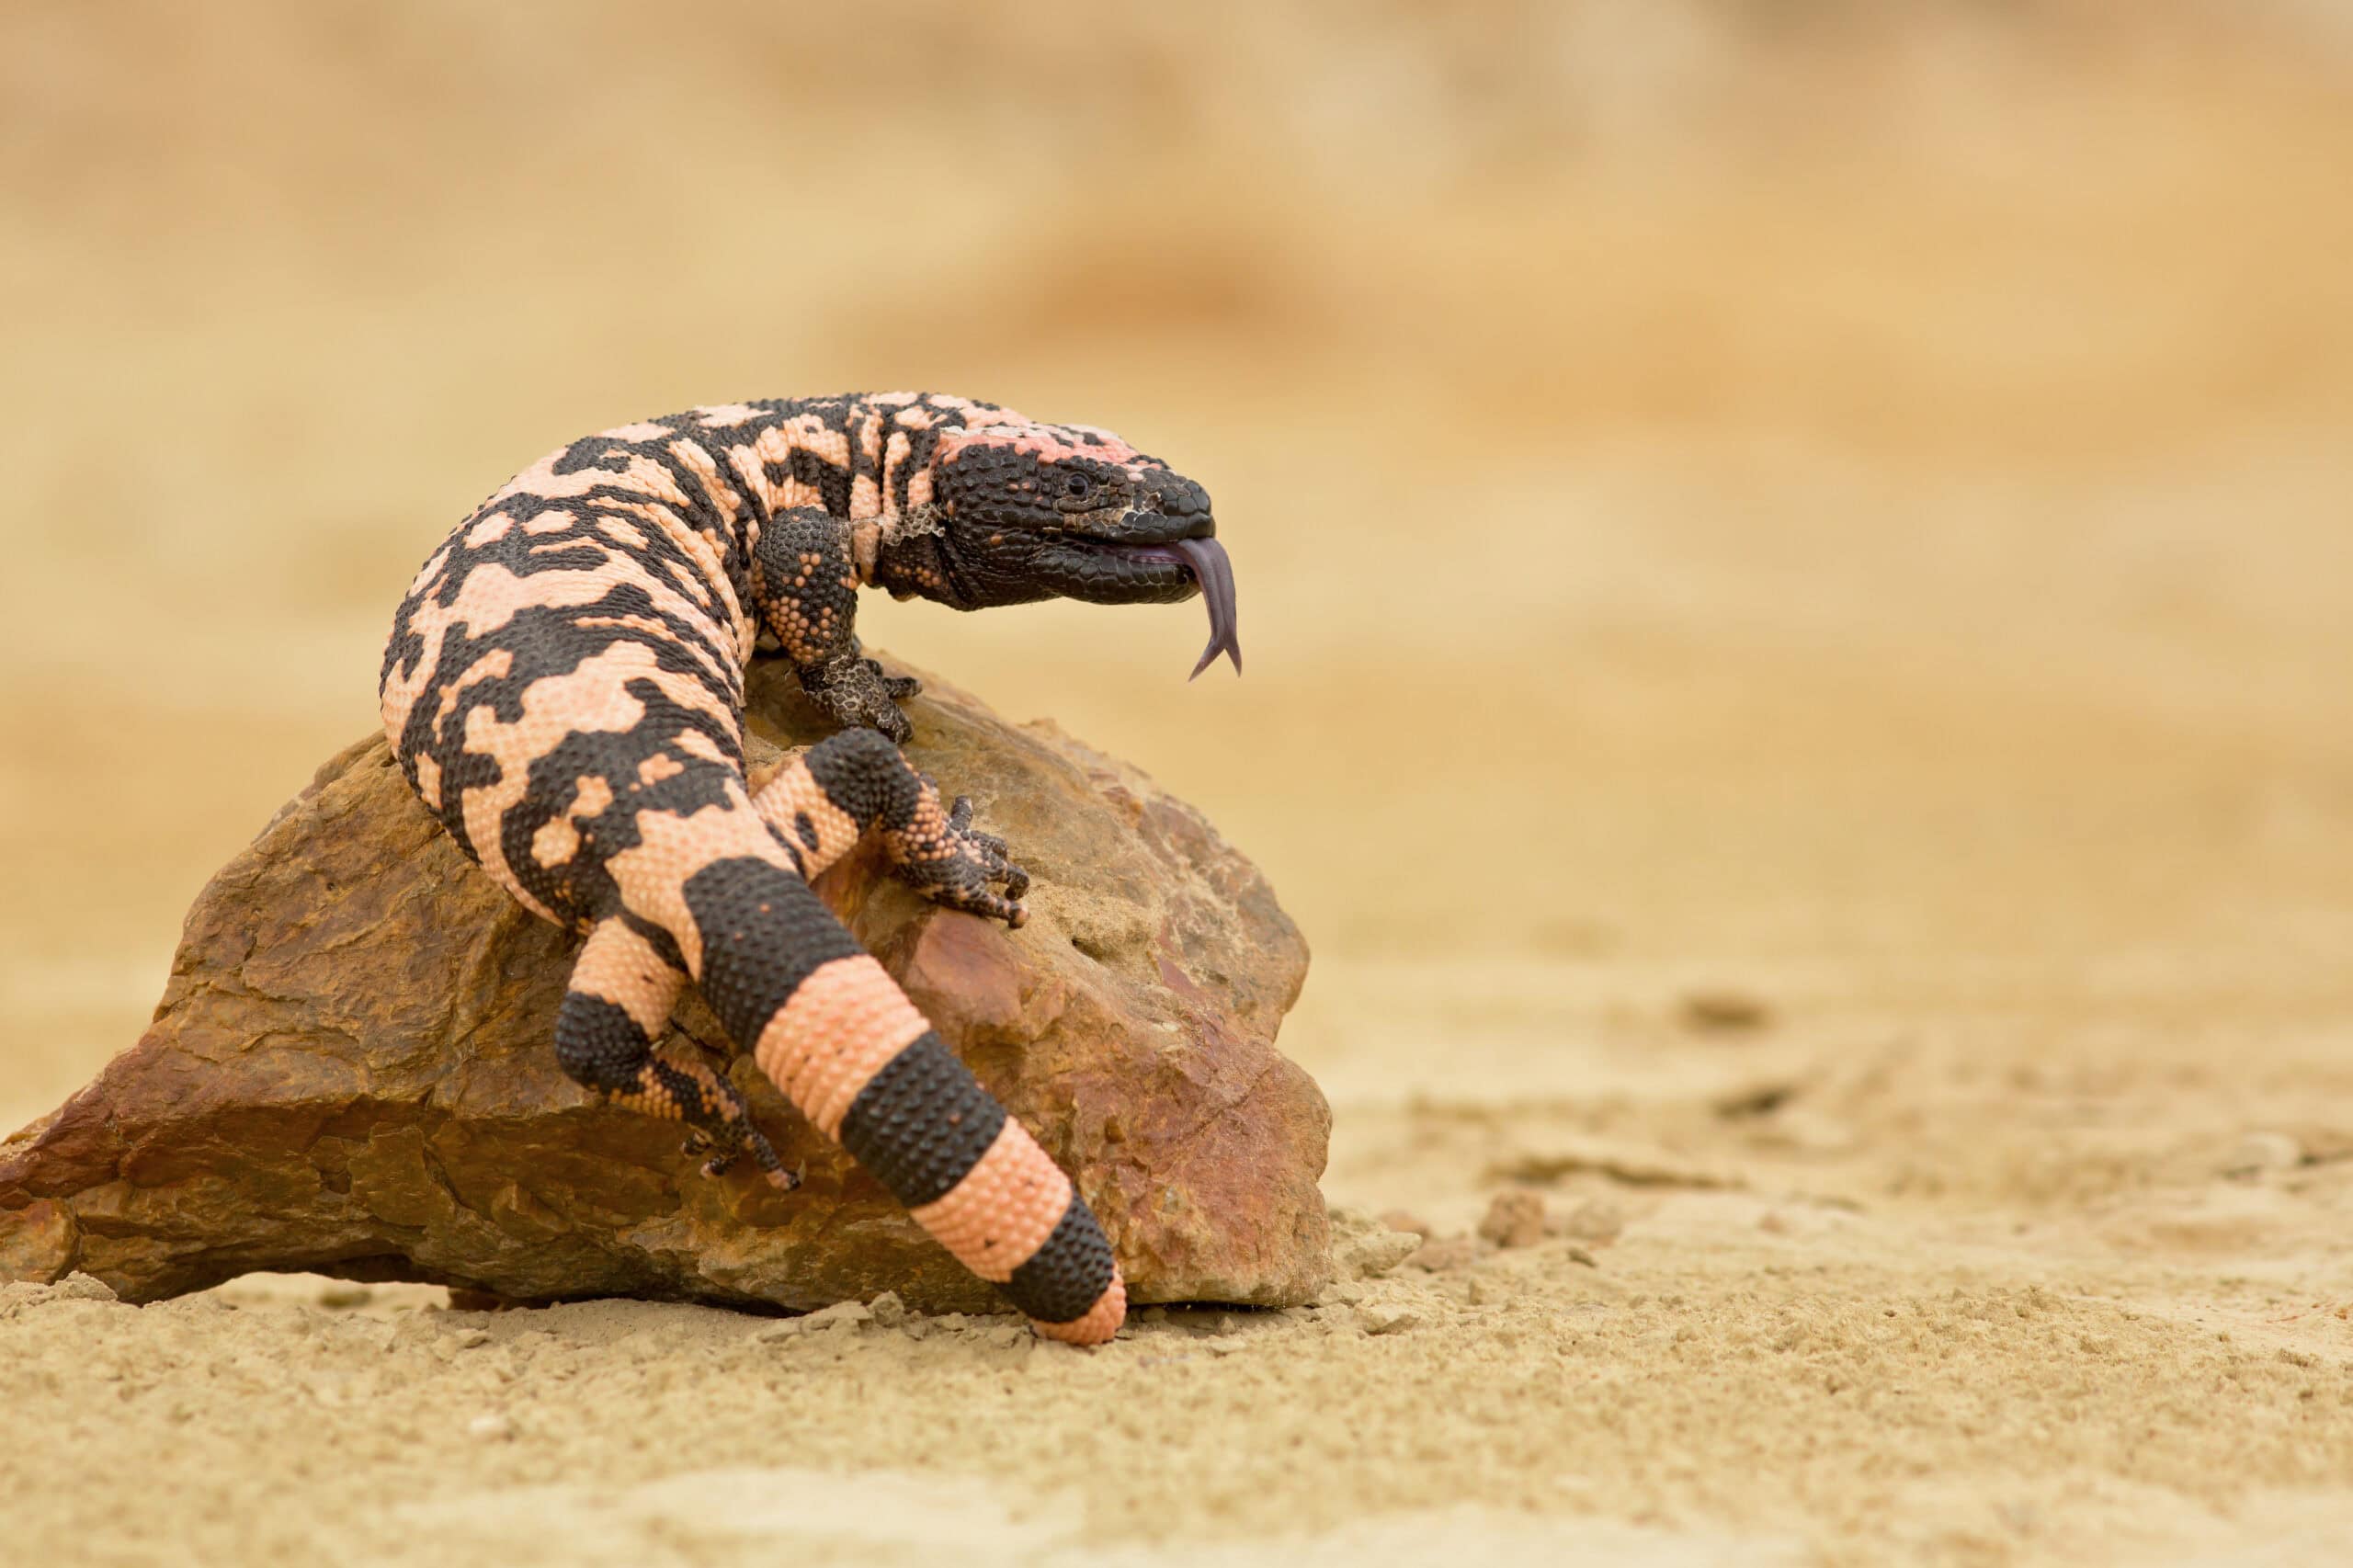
column 618, row 1001
column 822, row 802
column 830, row 1028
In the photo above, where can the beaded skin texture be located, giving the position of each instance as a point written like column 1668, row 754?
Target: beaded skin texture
column 564, row 688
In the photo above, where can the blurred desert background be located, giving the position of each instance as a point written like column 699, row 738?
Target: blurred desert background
column 1796, row 564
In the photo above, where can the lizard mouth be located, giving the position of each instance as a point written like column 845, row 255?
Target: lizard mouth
column 1111, row 572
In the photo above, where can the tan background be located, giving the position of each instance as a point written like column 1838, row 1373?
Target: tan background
column 1841, row 506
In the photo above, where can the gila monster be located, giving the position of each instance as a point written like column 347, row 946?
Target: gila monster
column 564, row 688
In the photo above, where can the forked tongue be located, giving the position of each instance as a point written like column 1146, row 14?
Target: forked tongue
column 1206, row 557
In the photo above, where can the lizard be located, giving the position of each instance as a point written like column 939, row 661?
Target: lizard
column 564, row 688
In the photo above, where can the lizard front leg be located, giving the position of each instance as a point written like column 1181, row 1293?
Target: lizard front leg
column 804, row 587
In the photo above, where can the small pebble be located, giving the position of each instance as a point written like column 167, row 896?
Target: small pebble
column 472, row 1338
column 1724, row 1012
column 851, row 1313
column 345, row 1296
column 1369, row 1249
column 1597, row 1219
column 1449, row 1252
column 1388, row 1318
column 1400, row 1219
column 1515, row 1219
column 80, row 1286
column 491, row 1429
column 888, row 1309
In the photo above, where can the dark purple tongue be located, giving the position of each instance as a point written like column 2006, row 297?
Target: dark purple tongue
column 1215, row 574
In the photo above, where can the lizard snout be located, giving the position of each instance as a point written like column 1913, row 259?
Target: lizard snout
column 1174, row 497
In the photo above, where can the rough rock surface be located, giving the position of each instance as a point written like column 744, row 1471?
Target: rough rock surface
column 350, row 1069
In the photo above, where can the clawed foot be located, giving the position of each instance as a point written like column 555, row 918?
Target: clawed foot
column 719, row 1148
column 858, row 693
column 950, row 861
column 898, row 688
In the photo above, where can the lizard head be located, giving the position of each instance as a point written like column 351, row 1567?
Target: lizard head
column 1027, row 512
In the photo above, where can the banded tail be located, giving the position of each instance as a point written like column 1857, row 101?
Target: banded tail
column 829, row 1026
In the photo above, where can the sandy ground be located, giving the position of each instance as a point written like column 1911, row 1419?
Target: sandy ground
column 1797, row 687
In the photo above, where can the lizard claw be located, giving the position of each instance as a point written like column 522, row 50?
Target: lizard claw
column 898, row 688
column 716, row 1158
column 718, row 1154
column 963, row 868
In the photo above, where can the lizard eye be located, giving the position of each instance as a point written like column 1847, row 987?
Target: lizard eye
column 1078, row 486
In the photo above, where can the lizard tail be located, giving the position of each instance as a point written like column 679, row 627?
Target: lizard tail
column 831, row 1031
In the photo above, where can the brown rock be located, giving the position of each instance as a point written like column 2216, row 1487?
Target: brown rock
column 1441, row 1254
column 350, row 1069
column 1514, row 1219
column 1724, row 1012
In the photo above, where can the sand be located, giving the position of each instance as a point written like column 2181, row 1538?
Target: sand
column 1797, row 686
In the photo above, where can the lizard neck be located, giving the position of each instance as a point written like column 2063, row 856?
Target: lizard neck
column 911, row 563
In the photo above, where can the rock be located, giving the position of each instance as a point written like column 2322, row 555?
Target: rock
column 1514, row 1218
column 1389, row 1317
column 1597, row 1219
column 1724, row 1012
column 1363, row 1248
column 350, row 1069
column 22, row 1295
column 81, row 1287
column 1440, row 1253
column 849, row 1314
column 1339, row 1320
